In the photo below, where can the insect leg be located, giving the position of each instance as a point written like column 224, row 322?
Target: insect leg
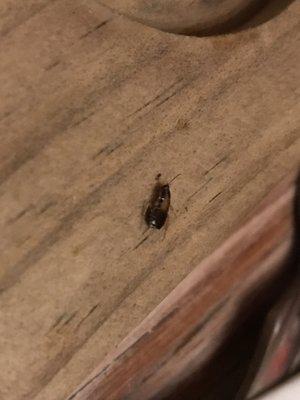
column 173, row 179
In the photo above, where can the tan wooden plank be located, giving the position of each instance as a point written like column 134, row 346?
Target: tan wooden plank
column 93, row 106
column 14, row 13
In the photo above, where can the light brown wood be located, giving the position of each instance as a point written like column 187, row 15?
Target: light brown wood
column 93, row 106
column 186, row 16
column 185, row 330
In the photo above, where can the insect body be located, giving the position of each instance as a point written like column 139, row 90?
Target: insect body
column 157, row 211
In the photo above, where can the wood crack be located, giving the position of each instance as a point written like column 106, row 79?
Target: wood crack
column 97, row 27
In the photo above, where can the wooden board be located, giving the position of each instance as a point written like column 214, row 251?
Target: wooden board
column 181, row 337
column 92, row 107
column 185, row 16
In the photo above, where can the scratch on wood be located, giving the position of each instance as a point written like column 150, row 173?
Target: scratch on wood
column 199, row 189
column 166, row 99
column 113, row 149
column 52, row 65
column 213, row 198
column 67, row 321
column 87, row 315
column 87, row 383
column 20, row 214
column 154, row 98
column 95, row 28
column 58, row 321
column 107, row 150
column 140, row 243
column 46, row 206
column 101, row 151
column 172, row 95
column 63, row 319
column 216, row 164
column 82, row 119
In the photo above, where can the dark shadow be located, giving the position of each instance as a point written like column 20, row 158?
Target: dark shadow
column 254, row 15
column 270, row 10
column 222, row 377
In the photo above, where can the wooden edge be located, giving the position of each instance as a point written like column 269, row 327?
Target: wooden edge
column 196, row 17
column 183, row 331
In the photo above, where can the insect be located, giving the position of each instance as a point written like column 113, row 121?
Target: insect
column 157, row 211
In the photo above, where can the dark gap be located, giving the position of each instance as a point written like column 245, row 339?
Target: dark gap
column 253, row 15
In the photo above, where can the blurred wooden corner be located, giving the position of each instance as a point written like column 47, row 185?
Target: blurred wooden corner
column 200, row 339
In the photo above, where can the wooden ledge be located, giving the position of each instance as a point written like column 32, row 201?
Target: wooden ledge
column 184, row 331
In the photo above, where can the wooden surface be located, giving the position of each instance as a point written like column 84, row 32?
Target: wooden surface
column 185, row 330
column 184, row 16
column 92, row 107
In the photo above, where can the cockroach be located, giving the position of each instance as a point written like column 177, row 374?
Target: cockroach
column 157, row 211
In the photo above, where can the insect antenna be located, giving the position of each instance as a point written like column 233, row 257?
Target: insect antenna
column 173, row 179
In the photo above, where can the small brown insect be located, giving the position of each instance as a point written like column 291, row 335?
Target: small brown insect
column 158, row 208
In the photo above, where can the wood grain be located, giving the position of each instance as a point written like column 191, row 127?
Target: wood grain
column 185, row 330
column 92, row 107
